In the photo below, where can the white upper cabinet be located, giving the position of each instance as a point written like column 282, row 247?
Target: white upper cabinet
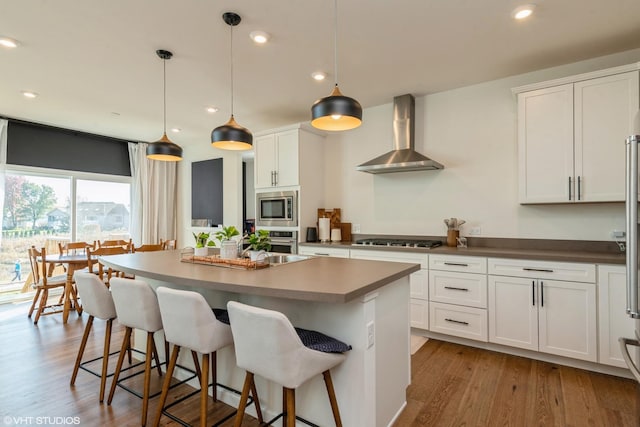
column 571, row 137
column 276, row 161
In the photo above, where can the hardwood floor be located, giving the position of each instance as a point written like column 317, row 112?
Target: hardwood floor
column 453, row 385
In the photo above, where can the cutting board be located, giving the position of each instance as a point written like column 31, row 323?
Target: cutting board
column 345, row 230
column 333, row 215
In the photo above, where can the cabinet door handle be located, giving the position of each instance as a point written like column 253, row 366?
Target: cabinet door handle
column 542, row 270
column 456, row 289
column 459, row 264
column 533, row 292
column 578, row 192
column 541, row 294
column 272, row 182
column 460, row 322
column 275, row 178
column 569, row 188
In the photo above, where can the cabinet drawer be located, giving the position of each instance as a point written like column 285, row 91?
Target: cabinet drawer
column 465, row 322
column 419, row 310
column 466, row 264
column 573, row 272
column 412, row 258
column 322, row 251
column 458, row 288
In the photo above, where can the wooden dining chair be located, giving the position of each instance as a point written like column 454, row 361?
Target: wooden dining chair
column 42, row 284
column 127, row 244
column 168, row 245
column 75, row 248
column 148, row 248
column 96, row 267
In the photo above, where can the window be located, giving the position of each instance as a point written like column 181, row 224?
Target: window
column 42, row 208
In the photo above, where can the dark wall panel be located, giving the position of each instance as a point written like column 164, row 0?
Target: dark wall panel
column 31, row 144
column 206, row 191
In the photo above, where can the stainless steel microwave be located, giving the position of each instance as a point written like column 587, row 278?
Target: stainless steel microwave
column 277, row 209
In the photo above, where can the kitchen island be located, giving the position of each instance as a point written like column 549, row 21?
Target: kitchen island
column 363, row 303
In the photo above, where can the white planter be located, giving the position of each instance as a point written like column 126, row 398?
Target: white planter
column 228, row 249
column 201, row 251
column 258, row 255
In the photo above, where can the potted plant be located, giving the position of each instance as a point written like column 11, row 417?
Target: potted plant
column 259, row 243
column 228, row 247
column 202, row 243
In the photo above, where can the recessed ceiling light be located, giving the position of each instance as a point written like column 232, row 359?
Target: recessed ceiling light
column 29, row 94
column 212, row 110
column 523, row 12
column 259, row 37
column 176, row 130
column 7, row 42
column 319, row 75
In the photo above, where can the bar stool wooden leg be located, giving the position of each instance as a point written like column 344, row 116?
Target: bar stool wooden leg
column 291, row 407
column 214, row 375
column 332, row 398
column 204, row 390
column 242, row 405
column 167, row 383
column 105, row 358
column 123, row 350
column 196, row 363
column 147, row 376
column 256, row 401
column 155, row 353
column 83, row 344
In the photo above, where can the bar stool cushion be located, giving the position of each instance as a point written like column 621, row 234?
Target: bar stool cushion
column 222, row 315
column 320, row 342
column 190, row 322
column 137, row 304
column 268, row 345
column 96, row 297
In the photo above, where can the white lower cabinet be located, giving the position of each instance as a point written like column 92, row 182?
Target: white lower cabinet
column 543, row 314
column 322, row 251
column 458, row 296
column 613, row 321
column 419, row 303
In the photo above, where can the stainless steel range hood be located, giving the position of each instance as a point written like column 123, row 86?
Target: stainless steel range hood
column 403, row 157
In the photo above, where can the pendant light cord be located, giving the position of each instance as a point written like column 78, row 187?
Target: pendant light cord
column 164, row 91
column 335, row 41
column 231, row 56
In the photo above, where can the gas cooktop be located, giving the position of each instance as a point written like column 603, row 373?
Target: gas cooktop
column 403, row 243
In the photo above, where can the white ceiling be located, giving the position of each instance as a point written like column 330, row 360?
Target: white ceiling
column 94, row 66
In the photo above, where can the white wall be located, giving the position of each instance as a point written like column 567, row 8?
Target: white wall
column 232, row 190
column 472, row 131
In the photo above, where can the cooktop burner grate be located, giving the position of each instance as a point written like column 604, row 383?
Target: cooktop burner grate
column 405, row 243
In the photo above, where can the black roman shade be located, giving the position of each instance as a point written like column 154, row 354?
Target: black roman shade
column 30, row 144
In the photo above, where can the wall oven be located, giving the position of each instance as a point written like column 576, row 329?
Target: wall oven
column 283, row 242
column 277, row 209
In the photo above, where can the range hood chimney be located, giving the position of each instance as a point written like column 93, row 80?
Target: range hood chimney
column 403, row 157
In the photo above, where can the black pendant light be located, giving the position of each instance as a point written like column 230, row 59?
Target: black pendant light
column 336, row 111
column 164, row 149
column 231, row 136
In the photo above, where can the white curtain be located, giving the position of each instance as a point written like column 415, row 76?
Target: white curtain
column 3, row 165
column 153, row 197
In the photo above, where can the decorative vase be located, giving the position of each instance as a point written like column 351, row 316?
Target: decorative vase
column 201, row 251
column 257, row 255
column 228, row 249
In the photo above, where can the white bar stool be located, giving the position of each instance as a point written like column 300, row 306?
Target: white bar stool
column 97, row 301
column 189, row 322
column 268, row 345
column 136, row 307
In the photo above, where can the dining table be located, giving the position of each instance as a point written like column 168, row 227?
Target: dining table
column 72, row 263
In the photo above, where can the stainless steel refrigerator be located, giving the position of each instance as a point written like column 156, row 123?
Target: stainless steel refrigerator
column 633, row 292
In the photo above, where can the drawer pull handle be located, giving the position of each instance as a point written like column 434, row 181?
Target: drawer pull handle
column 453, row 288
column 320, row 254
column 460, row 322
column 458, row 264
column 541, row 270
